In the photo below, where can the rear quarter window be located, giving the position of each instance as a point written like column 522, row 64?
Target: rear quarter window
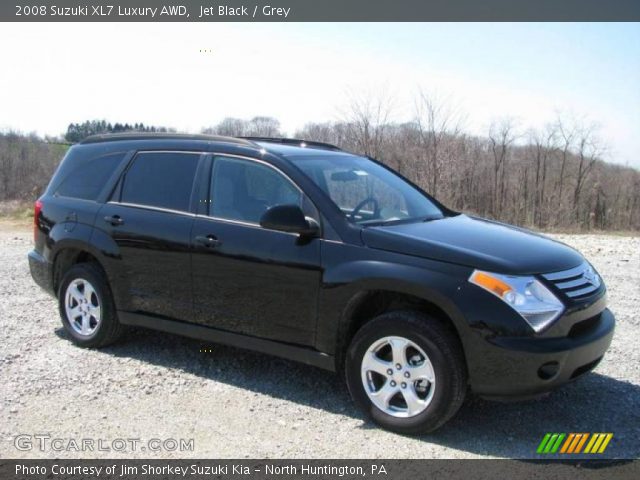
column 87, row 180
column 160, row 179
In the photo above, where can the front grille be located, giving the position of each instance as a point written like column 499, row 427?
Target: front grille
column 576, row 282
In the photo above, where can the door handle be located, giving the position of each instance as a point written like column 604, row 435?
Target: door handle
column 209, row 241
column 114, row 220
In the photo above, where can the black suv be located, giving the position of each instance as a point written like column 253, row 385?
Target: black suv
column 301, row 250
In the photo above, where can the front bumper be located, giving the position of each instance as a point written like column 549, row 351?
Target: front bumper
column 41, row 271
column 525, row 366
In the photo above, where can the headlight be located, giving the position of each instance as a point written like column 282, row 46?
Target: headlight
column 526, row 295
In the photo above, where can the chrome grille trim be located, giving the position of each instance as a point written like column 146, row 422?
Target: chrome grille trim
column 573, row 282
column 582, row 291
column 570, row 284
column 573, row 272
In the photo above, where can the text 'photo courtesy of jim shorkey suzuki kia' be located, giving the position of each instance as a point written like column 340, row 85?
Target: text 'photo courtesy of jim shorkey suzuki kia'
column 304, row 251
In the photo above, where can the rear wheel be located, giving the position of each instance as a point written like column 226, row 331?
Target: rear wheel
column 86, row 307
column 406, row 371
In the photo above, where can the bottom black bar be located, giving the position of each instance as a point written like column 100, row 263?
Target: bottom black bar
column 12, row 469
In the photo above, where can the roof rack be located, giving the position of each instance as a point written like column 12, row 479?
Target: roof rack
column 294, row 142
column 249, row 141
column 112, row 137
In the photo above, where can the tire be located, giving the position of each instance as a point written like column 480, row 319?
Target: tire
column 429, row 387
column 86, row 307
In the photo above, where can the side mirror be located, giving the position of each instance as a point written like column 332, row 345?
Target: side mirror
column 288, row 218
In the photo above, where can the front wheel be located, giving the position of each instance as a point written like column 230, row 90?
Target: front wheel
column 406, row 371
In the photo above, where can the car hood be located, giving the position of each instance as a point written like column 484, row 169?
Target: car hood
column 479, row 243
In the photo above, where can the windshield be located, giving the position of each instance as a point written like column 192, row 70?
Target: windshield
column 367, row 193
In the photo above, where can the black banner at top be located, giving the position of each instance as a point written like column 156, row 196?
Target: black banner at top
column 318, row 10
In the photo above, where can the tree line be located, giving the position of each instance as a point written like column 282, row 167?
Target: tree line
column 548, row 178
column 26, row 164
column 76, row 132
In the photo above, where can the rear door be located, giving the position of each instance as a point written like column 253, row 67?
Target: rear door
column 150, row 217
column 248, row 279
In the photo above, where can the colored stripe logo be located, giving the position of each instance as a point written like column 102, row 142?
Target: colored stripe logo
column 574, row 443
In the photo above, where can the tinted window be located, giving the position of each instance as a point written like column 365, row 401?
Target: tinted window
column 243, row 190
column 87, row 180
column 160, row 180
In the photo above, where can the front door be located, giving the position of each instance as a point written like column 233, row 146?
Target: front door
column 248, row 279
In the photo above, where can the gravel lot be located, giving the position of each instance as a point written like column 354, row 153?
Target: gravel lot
column 238, row 404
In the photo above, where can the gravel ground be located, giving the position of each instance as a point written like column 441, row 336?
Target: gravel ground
column 238, row 404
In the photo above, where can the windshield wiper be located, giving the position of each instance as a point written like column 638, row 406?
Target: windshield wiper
column 374, row 223
column 398, row 221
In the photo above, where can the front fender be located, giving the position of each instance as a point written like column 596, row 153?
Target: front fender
column 375, row 270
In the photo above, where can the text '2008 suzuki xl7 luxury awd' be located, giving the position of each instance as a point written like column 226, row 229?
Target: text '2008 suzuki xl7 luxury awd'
column 301, row 250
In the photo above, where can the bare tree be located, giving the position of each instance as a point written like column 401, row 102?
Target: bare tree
column 501, row 137
column 437, row 125
column 567, row 132
column 368, row 119
column 588, row 150
column 264, row 127
column 26, row 164
column 237, row 127
column 542, row 144
column 233, row 127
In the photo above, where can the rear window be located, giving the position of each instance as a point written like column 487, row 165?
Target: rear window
column 161, row 179
column 87, row 180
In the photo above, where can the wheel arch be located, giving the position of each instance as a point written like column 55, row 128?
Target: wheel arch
column 71, row 254
column 371, row 300
column 83, row 243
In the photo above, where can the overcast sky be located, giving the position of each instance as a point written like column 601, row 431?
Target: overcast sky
column 53, row 73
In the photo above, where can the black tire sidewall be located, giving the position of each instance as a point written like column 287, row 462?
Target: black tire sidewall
column 428, row 335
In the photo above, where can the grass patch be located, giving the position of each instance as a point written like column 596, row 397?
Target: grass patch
column 16, row 210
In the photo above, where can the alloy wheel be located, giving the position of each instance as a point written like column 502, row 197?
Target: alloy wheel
column 82, row 306
column 398, row 376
